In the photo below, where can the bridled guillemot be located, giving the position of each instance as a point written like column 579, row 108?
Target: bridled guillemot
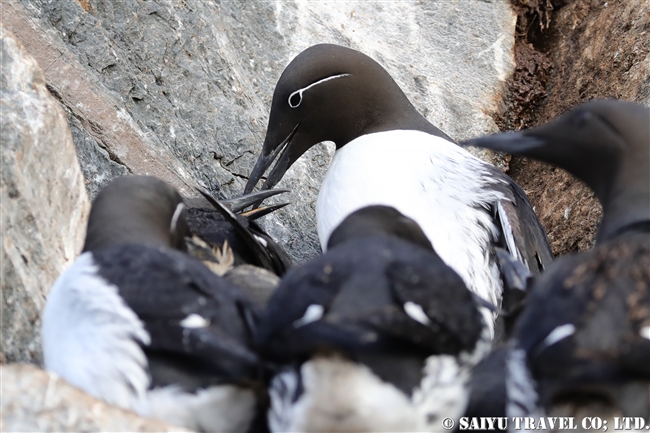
column 376, row 334
column 388, row 153
column 137, row 322
column 585, row 333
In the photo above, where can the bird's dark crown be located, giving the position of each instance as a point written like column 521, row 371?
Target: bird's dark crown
column 136, row 209
column 331, row 93
column 606, row 143
column 378, row 220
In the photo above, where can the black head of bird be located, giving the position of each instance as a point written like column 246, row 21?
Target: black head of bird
column 330, row 93
column 378, row 220
column 605, row 143
column 137, row 209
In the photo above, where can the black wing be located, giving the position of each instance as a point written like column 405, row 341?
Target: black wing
column 252, row 244
column 360, row 289
column 523, row 238
column 453, row 322
column 194, row 317
column 487, row 386
column 522, row 235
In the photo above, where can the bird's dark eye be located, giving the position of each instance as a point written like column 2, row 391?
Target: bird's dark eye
column 295, row 99
column 581, row 118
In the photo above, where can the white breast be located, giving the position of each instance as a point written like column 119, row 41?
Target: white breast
column 339, row 395
column 91, row 337
column 93, row 340
column 441, row 186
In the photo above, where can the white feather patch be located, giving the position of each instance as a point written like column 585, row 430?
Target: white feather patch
column 194, row 321
column 261, row 240
column 313, row 313
column 340, row 395
column 645, row 332
column 283, row 391
column 558, row 334
column 520, row 386
column 177, row 214
column 442, row 392
column 430, row 180
column 416, row 313
column 506, row 228
column 91, row 337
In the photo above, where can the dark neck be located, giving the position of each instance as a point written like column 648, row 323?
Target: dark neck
column 641, row 227
column 389, row 109
column 624, row 211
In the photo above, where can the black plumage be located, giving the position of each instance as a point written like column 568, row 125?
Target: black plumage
column 585, row 333
column 603, row 297
column 171, row 338
column 223, row 221
column 376, row 298
column 487, row 387
column 164, row 287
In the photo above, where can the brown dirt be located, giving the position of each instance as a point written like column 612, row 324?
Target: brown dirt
column 569, row 52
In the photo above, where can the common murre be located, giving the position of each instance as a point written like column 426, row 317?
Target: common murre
column 137, row 322
column 585, row 333
column 388, row 153
column 376, row 334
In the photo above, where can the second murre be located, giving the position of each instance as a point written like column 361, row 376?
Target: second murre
column 389, row 154
column 376, row 334
column 584, row 336
column 140, row 324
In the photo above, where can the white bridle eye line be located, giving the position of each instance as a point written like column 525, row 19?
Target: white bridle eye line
column 300, row 91
column 177, row 214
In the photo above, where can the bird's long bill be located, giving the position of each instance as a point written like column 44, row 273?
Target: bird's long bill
column 268, row 155
column 259, row 212
column 516, row 143
column 238, row 204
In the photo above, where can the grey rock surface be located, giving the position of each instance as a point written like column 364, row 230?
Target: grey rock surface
column 43, row 202
column 192, row 81
column 33, row 400
column 96, row 164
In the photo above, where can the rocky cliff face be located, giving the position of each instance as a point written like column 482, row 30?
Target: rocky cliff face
column 34, row 400
column 43, row 201
column 182, row 90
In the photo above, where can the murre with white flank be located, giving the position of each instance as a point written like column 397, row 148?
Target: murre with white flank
column 138, row 323
column 388, row 153
column 376, row 334
column 584, row 335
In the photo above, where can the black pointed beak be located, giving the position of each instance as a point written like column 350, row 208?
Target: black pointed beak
column 237, row 204
column 266, row 159
column 516, row 143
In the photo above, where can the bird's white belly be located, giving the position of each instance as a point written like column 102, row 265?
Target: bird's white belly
column 429, row 179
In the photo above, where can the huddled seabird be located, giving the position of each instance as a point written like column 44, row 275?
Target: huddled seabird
column 388, row 153
column 376, row 334
column 139, row 323
column 585, row 333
